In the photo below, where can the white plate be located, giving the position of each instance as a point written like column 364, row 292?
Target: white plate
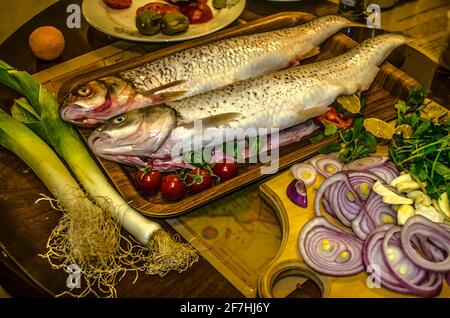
column 121, row 23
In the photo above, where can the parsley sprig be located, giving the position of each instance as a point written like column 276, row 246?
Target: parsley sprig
column 426, row 153
column 357, row 143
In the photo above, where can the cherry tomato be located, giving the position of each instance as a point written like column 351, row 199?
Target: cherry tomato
column 147, row 180
column 198, row 180
column 172, row 188
column 225, row 170
column 161, row 8
column 118, row 4
column 197, row 12
column 332, row 117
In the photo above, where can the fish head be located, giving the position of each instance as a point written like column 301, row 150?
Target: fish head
column 130, row 137
column 94, row 102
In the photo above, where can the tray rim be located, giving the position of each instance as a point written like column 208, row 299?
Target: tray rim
column 180, row 208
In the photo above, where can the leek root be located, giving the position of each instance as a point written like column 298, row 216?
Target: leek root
column 40, row 112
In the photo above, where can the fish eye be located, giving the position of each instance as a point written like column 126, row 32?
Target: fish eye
column 120, row 119
column 84, row 91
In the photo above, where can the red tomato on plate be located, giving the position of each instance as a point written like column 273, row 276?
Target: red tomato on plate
column 118, row 4
column 197, row 12
column 161, row 8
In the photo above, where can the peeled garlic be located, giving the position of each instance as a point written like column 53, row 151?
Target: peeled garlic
column 419, row 197
column 389, row 196
column 404, row 213
column 430, row 213
column 407, row 186
column 444, row 204
column 396, row 199
column 402, row 178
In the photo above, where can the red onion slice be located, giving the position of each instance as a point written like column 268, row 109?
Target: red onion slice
column 384, row 173
column 439, row 236
column 304, row 172
column 328, row 166
column 313, row 160
column 366, row 163
column 378, row 165
column 329, row 250
column 373, row 256
column 296, row 192
column 412, row 279
column 380, row 211
column 324, row 186
column 327, row 206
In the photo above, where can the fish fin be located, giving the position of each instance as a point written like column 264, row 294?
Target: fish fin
column 314, row 51
column 357, row 25
column 168, row 96
column 214, row 121
column 162, row 87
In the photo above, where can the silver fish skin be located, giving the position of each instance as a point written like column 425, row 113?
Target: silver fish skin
column 197, row 70
column 279, row 100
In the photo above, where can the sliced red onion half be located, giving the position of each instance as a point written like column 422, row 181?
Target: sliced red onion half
column 313, row 161
column 296, row 192
column 304, row 172
column 378, row 165
column 330, row 250
column 325, row 186
column 379, row 211
column 373, row 258
column 417, row 280
column 343, row 201
column 366, row 163
column 327, row 206
column 343, row 198
column 447, row 278
column 429, row 250
column 327, row 166
column 391, row 166
column 436, row 234
column 384, row 173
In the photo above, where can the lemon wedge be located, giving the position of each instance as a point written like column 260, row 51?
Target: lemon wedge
column 379, row 128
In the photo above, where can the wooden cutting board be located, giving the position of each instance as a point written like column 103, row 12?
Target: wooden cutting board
column 288, row 261
column 390, row 84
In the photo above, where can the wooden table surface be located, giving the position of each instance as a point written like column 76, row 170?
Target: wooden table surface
column 25, row 226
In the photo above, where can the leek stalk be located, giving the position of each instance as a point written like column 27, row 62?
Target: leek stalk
column 16, row 137
column 40, row 112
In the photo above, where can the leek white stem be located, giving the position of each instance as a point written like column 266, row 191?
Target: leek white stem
column 16, row 137
column 41, row 113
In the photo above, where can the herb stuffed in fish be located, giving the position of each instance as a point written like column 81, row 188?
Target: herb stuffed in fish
column 197, row 70
column 279, row 100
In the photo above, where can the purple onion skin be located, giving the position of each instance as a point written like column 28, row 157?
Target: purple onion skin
column 296, row 192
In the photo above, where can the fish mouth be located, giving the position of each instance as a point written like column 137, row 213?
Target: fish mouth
column 82, row 116
column 100, row 145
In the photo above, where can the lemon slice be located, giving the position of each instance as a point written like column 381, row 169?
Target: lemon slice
column 405, row 130
column 351, row 103
column 432, row 110
column 379, row 128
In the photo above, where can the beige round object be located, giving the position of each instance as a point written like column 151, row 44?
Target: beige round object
column 47, row 43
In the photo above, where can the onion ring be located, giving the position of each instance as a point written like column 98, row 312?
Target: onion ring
column 413, row 281
column 330, row 250
column 438, row 235
column 328, row 166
